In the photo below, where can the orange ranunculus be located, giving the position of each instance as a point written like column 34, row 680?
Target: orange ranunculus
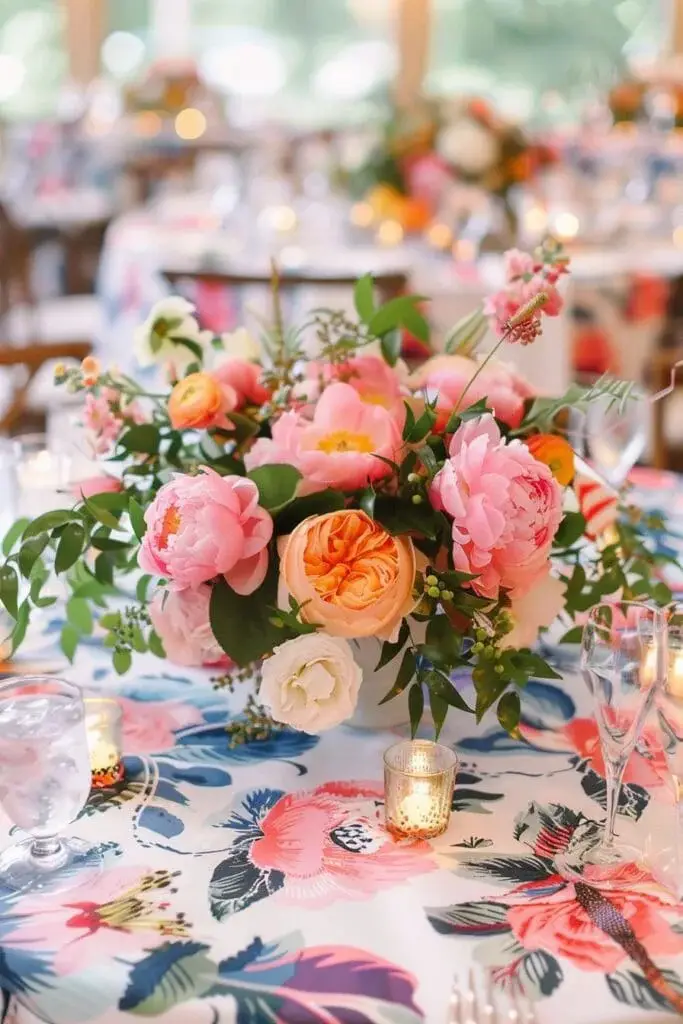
column 555, row 452
column 199, row 401
column 349, row 575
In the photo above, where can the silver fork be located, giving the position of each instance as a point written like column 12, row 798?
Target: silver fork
column 478, row 1004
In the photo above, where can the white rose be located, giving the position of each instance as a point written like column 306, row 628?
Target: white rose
column 239, row 344
column 311, row 682
column 539, row 608
column 469, row 146
column 160, row 339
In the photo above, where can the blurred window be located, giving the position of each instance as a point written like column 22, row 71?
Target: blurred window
column 33, row 61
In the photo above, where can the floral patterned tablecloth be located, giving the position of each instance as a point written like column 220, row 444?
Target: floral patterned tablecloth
column 259, row 885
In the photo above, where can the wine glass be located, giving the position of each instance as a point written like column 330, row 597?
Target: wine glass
column 44, row 782
column 617, row 435
column 623, row 660
column 670, row 713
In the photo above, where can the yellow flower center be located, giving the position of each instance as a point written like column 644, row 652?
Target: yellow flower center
column 345, row 441
column 375, row 398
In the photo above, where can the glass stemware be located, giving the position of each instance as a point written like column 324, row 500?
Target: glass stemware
column 44, row 782
column 617, row 435
column 670, row 713
column 623, row 660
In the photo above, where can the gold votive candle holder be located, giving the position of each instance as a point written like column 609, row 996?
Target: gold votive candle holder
column 104, row 727
column 419, row 778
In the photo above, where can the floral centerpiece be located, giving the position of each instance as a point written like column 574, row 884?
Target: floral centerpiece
column 279, row 512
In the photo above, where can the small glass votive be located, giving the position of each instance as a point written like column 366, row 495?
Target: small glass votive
column 419, row 778
column 103, row 723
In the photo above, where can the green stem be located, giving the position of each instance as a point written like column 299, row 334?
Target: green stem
column 481, row 366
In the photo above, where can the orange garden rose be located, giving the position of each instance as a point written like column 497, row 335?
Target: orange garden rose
column 198, row 402
column 556, row 453
column 350, row 575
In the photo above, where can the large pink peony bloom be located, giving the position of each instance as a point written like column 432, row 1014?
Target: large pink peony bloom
column 181, row 618
column 330, row 844
column 370, row 376
column 445, row 378
column 506, row 508
column 207, row 525
column 244, row 380
column 338, row 448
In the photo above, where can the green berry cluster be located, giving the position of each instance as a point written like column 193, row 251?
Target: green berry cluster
column 255, row 724
column 436, row 588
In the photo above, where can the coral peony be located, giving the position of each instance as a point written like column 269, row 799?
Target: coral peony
column 338, row 448
column 311, row 682
column 555, row 452
column 181, row 618
column 96, row 485
column 208, row 525
column 349, row 575
column 445, row 378
column 199, row 401
column 243, row 379
column 506, row 508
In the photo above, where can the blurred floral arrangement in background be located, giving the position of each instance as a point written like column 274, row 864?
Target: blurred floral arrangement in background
column 272, row 511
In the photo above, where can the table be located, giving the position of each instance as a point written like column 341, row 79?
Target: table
column 258, row 884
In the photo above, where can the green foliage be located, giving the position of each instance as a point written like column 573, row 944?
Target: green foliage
column 276, row 484
column 144, row 438
column 404, row 676
column 465, row 337
column 572, row 529
column 544, row 411
column 70, row 546
column 416, row 703
column 242, row 625
column 363, row 297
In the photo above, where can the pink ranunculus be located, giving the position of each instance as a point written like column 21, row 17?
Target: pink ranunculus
column 506, row 508
column 125, row 913
column 446, row 377
column 370, row 376
column 96, row 485
column 313, row 839
column 207, row 525
column 102, row 426
column 338, row 448
column 561, row 925
column 244, row 378
column 181, row 618
column 150, row 726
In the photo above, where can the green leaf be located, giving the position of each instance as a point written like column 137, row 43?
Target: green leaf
column 102, row 515
column 390, row 345
column 242, row 625
column 276, row 484
column 535, row 665
column 137, row 640
column 70, row 546
column 21, row 625
column 443, row 643
column 470, row 412
column 364, row 299
column 401, row 517
column 104, row 571
column 400, row 312
column 488, row 691
column 143, row 437
column 406, row 672
column 137, row 518
column 9, row 589
column 13, row 534
column 141, row 588
column 366, row 501
column 48, row 521
column 445, row 689
column 312, row 505
column 428, row 460
column 422, row 426
column 389, row 650
column 155, row 645
column 112, row 620
column 68, row 640
column 439, row 710
column 79, row 615
column 572, row 528
column 509, row 711
column 573, row 636
column 122, row 661
column 416, row 704
column 464, row 338
column 102, row 543
column 30, row 552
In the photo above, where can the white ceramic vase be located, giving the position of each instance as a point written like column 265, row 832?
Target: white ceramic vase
column 369, row 714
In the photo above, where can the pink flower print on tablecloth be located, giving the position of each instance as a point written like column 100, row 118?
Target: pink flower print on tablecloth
column 125, row 912
column 330, row 844
column 149, row 726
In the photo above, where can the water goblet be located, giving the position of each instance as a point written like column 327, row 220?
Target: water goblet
column 44, row 783
column 616, row 435
column 623, row 661
column 669, row 705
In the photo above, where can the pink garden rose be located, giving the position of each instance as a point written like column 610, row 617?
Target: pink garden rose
column 181, row 618
column 207, row 525
column 303, row 837
column 338, row 448
column 445, row 378
column 244, row 380
column 149, row 726
column 506, row 508
column 370, row 376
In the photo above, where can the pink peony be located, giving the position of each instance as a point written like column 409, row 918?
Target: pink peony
column 96, row 485
column 370, row 376
column 338, row 448
column 181, row 618
column 313, row 838
column 506, row 508
column 101, row 425
column 445, row 378
column 208, row 525
column 244, row 381
column 150, row 726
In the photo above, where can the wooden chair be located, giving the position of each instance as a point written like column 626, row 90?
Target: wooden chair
column 665, row 455
column 15, row 263
column 31, row 358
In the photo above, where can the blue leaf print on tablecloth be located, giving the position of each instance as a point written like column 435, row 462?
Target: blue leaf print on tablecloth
column 172, row 974
column 545, row 707
column 211, row 744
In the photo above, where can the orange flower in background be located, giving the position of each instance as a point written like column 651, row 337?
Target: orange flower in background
column 414, row 214
column 350, row 575
column 91, row 369
column 556, row 453
column 199, row 401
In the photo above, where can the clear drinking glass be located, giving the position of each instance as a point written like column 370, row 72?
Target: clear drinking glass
column 623, row 660
column 44, row 782
column 617, row 436
column 670, row 714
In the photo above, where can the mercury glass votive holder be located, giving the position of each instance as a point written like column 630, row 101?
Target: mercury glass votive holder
column 419, row 778
column 103, row 723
